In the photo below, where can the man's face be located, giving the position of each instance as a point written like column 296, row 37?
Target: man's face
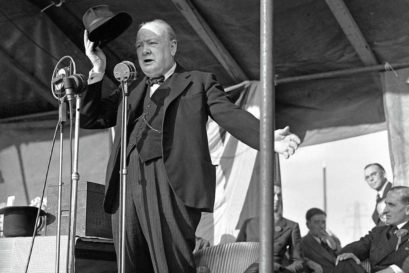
column 277, row 198
column 154, row 49
column 375, row 177
column 317, row 225
column 395, row 211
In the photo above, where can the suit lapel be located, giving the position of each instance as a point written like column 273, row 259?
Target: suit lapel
column 383, row 246
column 317, row 247
column 280, row 227
column 177, row 84
column 135, row 99
column 405, row 237
column 387, row 188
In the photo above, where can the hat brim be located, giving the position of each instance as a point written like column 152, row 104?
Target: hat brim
column 19, row 209
column 110, row 28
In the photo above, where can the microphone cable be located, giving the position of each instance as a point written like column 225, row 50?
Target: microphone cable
column 59, row 123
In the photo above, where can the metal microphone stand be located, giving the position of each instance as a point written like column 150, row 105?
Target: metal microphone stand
column 124, row 72
column 74, row 188
column 64, row 68
column 62, row 112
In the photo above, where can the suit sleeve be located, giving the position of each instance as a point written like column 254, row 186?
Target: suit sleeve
column 294, row 251
column 295, row 246
column 97, row 112
column 360, row 248
column 338, row 243
column 238, row 122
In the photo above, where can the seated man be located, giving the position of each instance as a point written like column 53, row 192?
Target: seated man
column 386, row 246
column 286, row 238
column 318, row 245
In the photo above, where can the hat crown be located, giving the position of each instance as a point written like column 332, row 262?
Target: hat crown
column 96, row 14
column 103, row 25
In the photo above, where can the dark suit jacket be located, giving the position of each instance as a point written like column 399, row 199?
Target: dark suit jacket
column 193, row 97
column 375, row 215
column 314, row 251
column 379, row 250
column 286, row 237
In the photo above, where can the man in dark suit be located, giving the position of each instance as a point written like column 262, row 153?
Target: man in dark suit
column 385, row 246
column 287, row 238
column 318, row 245
column 375, row 177
column 170, row 179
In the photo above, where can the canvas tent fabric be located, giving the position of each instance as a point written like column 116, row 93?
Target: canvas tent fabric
column 396, row 98
column 307, row 37
column 235, row 168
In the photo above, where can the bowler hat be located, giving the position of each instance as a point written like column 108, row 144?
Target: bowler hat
column 103, row 25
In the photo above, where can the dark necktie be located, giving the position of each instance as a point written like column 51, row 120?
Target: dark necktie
column 327, row 247
column 156, row 80
column 391, row 231
column 378, row 198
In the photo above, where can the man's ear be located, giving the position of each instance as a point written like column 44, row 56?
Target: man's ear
column 307, row 224
column 173, row 47
column 407, row 210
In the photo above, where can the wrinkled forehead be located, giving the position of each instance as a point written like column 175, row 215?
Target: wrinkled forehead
column 394, row 197
column 151, row 29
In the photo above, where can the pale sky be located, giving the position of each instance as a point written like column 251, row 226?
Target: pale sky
column 350, row 201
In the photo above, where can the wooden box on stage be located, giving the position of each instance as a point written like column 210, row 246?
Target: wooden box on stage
column 91, row 218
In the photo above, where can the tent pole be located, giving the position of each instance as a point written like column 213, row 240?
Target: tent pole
column 345, row 72
column 266, row 136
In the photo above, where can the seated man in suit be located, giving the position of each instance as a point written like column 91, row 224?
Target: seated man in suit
column 386, row 246
column 286, row 238
column 318, row 245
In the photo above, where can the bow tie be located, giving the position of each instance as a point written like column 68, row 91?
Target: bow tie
column 156, row 80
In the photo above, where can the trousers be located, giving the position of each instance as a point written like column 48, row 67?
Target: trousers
column 160, row 229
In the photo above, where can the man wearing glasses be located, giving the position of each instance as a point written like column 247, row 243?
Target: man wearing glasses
column 375, row 177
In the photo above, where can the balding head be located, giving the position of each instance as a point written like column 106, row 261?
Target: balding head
column 159, row 26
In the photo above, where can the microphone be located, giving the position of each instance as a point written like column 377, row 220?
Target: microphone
column 74, row 84
column 125, row 71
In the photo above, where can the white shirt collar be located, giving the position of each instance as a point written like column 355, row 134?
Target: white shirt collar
column 170, row 71
column 401, row 225
column 382, row 190
column 167, row 75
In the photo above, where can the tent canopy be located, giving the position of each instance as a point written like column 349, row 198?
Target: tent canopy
column 222, row 37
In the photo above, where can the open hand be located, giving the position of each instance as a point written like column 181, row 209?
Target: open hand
column 285, row 142
column 95, row 55
column 346, row 256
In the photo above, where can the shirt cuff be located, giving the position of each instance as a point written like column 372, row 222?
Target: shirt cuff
column 396, row 268
column 94, row 77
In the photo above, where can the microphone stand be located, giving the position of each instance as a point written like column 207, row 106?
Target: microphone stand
column 62, row 112
column 124, row 72
column 64, row 68
column 124, row 172
column 74, row 188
